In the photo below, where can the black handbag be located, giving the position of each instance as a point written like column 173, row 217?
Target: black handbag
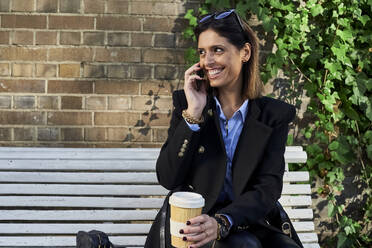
column 93, row 239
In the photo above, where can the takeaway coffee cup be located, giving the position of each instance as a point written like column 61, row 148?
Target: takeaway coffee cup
column 184, row 206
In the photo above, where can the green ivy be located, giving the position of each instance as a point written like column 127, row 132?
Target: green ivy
column 323, row 47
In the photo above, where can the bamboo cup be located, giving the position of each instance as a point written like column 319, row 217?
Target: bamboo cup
column 184, row 206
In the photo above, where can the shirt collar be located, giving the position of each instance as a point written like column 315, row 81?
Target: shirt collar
column 242, row 110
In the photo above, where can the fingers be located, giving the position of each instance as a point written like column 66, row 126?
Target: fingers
column 192, row 69
column 202, row 230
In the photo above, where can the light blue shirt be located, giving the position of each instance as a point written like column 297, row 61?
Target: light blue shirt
column 230, row 131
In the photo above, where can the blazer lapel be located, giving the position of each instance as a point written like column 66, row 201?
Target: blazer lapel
column 250, row 147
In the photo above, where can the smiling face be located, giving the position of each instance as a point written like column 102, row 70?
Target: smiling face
column 221, row 60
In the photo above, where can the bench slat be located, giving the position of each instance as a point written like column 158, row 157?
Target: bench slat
column 78, row 189
column 121, row 240
column 64, row 240
column 65, row 177
column 107, row 177
column 113, row 202
column 77, row 215
column 92, row 202
column 77, row 165
column 112, row 229
column 106, row 215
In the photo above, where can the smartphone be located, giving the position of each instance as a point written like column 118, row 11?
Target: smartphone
column 200, row 73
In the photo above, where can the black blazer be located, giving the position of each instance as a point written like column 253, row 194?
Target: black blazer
column 198, row 159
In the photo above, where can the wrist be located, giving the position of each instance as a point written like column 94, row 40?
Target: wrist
column 192, row 119
column 223, row 226
column 194, row 113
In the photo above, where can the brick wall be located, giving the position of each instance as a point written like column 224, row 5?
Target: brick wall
column 89, row 73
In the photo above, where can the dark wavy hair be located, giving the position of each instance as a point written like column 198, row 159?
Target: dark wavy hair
column 230, row 28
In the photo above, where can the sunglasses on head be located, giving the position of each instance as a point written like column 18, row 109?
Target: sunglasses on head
column 222, row 15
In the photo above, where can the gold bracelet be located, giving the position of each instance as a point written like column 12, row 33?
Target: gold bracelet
column 191, row 119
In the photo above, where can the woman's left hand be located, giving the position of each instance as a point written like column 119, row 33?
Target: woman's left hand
column 203, row 228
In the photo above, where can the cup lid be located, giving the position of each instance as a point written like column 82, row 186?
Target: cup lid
column 186, row 200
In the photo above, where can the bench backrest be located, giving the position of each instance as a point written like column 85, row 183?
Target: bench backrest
column 47, row 195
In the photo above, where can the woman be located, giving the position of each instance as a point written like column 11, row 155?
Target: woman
column 226, row 142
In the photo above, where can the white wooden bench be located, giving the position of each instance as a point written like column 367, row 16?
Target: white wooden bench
column 48, row 194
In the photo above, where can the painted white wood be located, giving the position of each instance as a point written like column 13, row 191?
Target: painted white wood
column 50, row 228
column 93, row 202
column 303, row 226
column 293, row 149
column 77, row 165
column 302, row 213
column 97, row 189
column 77, row 215
column 308, row 237
column 64, row 240
column 311, row 245
column 296, row 176
column 77, row 177
column 78, row 189
column 300, row 200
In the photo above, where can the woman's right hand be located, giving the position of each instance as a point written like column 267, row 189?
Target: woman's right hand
column 196, row 100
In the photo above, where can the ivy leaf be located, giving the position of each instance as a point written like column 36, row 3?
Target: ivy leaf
column 341, row 239
column 369, row 152
column 331, row 209
column 334, row 145
column 364, row 19
column 317, row 9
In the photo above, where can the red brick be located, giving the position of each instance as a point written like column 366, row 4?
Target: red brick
column 118, row 23
column 94, row 71
column 69, row 70
column 95, row 103
column 165, row 40
column 24, row 134
column 165, row 72
column 116, row 87
column 22, row 86
column 119, row 102
column 95, row 134
column 23, row 5
column 69, row 38
column 128, row 134
column 5, row 134
column 140, row 71
column 47, row 133
column 22, row 118
column 4, row 5
column 48, row 102
column 71, row 102
column 46, row 38
column 4, row 69
column 69, row 6
column 181, row 42
column 5, row 102
column 94, row 38
column 164, row 104
column 69, row 118
column 23, row 21
column 46, row 70
column 4, row 37
column 154, row 8
column 118, row 55
column 142, row 102
column 23, row 38
column 71, row 22
column 71, row 134
column 70, row 54
column 117, row 6
column 80, row 87
column 47, row 6
column 160, row 134
column 22, row 70
column 156, row 119
column 166, row 56
column 24, row 102
column 141, row 40
column 116, row 118
column 158, row 88
column 118, row 71
column 23, row 53
column 118, row 39
column 117, row 134
column 161, row 24
column 94, row 6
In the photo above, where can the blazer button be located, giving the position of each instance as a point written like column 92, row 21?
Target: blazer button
column 201, row 149
column 186, row 141
column 210, row 112
column 184, row 146
column 180, row 154
column 182, row 150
